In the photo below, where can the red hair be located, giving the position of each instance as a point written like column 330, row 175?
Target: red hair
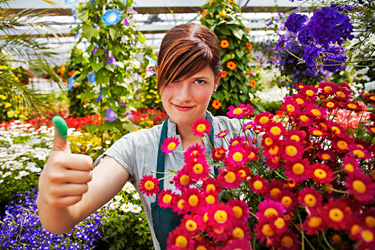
column 185, row 50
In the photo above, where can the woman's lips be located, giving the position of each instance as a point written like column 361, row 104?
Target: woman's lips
column 182, row 108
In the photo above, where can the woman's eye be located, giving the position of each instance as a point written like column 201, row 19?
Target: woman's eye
column 199, row 82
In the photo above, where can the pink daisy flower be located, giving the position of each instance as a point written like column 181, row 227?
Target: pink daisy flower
column 241, row 111
column 148, row 185
column 336, row 214
column 270, row 208
column 169, row 145
column 259, row 184
column 165, row 198
column 310, row 197
column 222, row 134
column 360, row 186
column 230, row 177
column 314, row 222
column 201, row 126
column 180, row 239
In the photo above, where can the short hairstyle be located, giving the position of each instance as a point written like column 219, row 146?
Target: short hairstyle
column 185, row 50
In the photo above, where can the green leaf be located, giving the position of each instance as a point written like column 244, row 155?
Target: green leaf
column 97, row 66
column 238, row 33
column 142, row 39
column 113, row 33
column 238, row 53
column 89, row 31
column 224, row 30
column 102, row 76
column 83, row 17
column 108, row 125
column 118, row 89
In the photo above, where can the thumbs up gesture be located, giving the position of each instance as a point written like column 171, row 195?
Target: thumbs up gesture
column 65, row 177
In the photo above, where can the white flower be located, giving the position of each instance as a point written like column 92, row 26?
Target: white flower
column 136, row 209
column 114, row 205
column 7, row 174
column 136, row 196
column 127, row 207
column 118, row 198
column 129, row 188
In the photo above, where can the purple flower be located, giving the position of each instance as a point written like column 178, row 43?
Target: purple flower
column 304, row 37
column 111, row 17
column 110, row 115
column 110, row 58
column 343, row 7
column 329, row 26
column 311, row 55
column 150, row 72
column 129, row 115
column 95, row 49
column 126, row 21
column 335, row 63
column 131, row 11
column 123, row 104
column 295, row 22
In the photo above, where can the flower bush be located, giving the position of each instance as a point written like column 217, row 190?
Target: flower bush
column 311, row 184
column 147, row 118
column 20, row 228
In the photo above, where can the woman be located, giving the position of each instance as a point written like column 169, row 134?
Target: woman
column 188, row 71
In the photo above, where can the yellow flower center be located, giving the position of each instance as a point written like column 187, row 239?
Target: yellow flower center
column 238, row 233
column 198, row 168
column 367, row 235
column 304, row 118
column 352, row 106
column 336, row 239
column 310, row 200
column 258, row 185
column 298, row 169
column 326, row 156
column 286, row 201
column 290, row 108
column 237, row 212
column 330, row 104
column 316, row 112
column 193, row 200
column 320, row 173
column 327, row 89
column 184, row 179
column 342, row 145
column 190, row 225
column 268, row 141
column 279, row 223
column 359, row 153
column 359, row 186
column 210, row 187
column 336, row 130
column 221, row 216
column 149, row 185
column 181, row 203
column 264, row 120
column 275, row 192
column 237, row 111
column 181, row 241
column 201, row 128
column 230, row 177
column 210, row 199
column 370, row 221
column 317, row 132
column 270, row 212
column 275, row 130
column 291, row 150
column 336, row 215
column 167, row 198
column 273, row 150
column 340, row 94
column 315, row 221
column 171, row 146
column 267, row 230
column 300, row 101
column 223, row 134
column 355, row 229
column 309, row 92
column 237, row 156
column 349, row 167
column 287, row 241
column 295, row 138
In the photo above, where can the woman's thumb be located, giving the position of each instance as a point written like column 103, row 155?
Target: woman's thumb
column 61, row 132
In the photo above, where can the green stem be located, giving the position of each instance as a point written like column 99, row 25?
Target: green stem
column 326, row 241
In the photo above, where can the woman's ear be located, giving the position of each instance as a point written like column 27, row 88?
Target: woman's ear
column 217, row 80
column 156, row 69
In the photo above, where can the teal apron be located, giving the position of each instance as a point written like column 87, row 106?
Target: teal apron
column 164, row 219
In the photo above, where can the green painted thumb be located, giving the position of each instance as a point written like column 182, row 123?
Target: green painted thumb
column 61, row 128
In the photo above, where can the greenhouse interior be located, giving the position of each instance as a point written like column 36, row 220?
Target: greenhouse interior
column 197, row 125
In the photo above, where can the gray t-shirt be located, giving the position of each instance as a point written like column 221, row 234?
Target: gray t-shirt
column 137, row 153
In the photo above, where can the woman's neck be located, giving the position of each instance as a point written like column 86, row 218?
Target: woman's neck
column 187, row 137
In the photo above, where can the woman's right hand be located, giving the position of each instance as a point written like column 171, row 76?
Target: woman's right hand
column 65, row 177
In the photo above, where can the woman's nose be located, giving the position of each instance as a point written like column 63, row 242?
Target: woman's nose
column 185, row 92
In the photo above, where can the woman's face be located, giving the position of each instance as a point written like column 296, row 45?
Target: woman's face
column 187, row 100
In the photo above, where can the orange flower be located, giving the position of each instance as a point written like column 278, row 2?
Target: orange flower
column 253, row 83
column 222, row 14
column 71, row 72
column 211, row 2
column 216, row 104
column 249, row 46
column 224, row 44
column 204, row 12
column 231, row 65
column 232, row 1
column 224, row 73
column 75, row 85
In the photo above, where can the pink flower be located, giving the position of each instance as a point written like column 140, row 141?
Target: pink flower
column 169, row 145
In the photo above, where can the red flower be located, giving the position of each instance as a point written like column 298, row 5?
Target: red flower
column 337, row 214
column 165, row 198
column 201, row 126
column 230, row 177
column 148, row 185
column 320, row 173
column 259, row 184
column 360, row 186
column 218, row 154
column 297, row 169
column 169, row 145
column 314, row 223
column 310, row 197
column 180, row 239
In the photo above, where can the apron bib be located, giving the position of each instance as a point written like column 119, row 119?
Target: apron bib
column 165, row 220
